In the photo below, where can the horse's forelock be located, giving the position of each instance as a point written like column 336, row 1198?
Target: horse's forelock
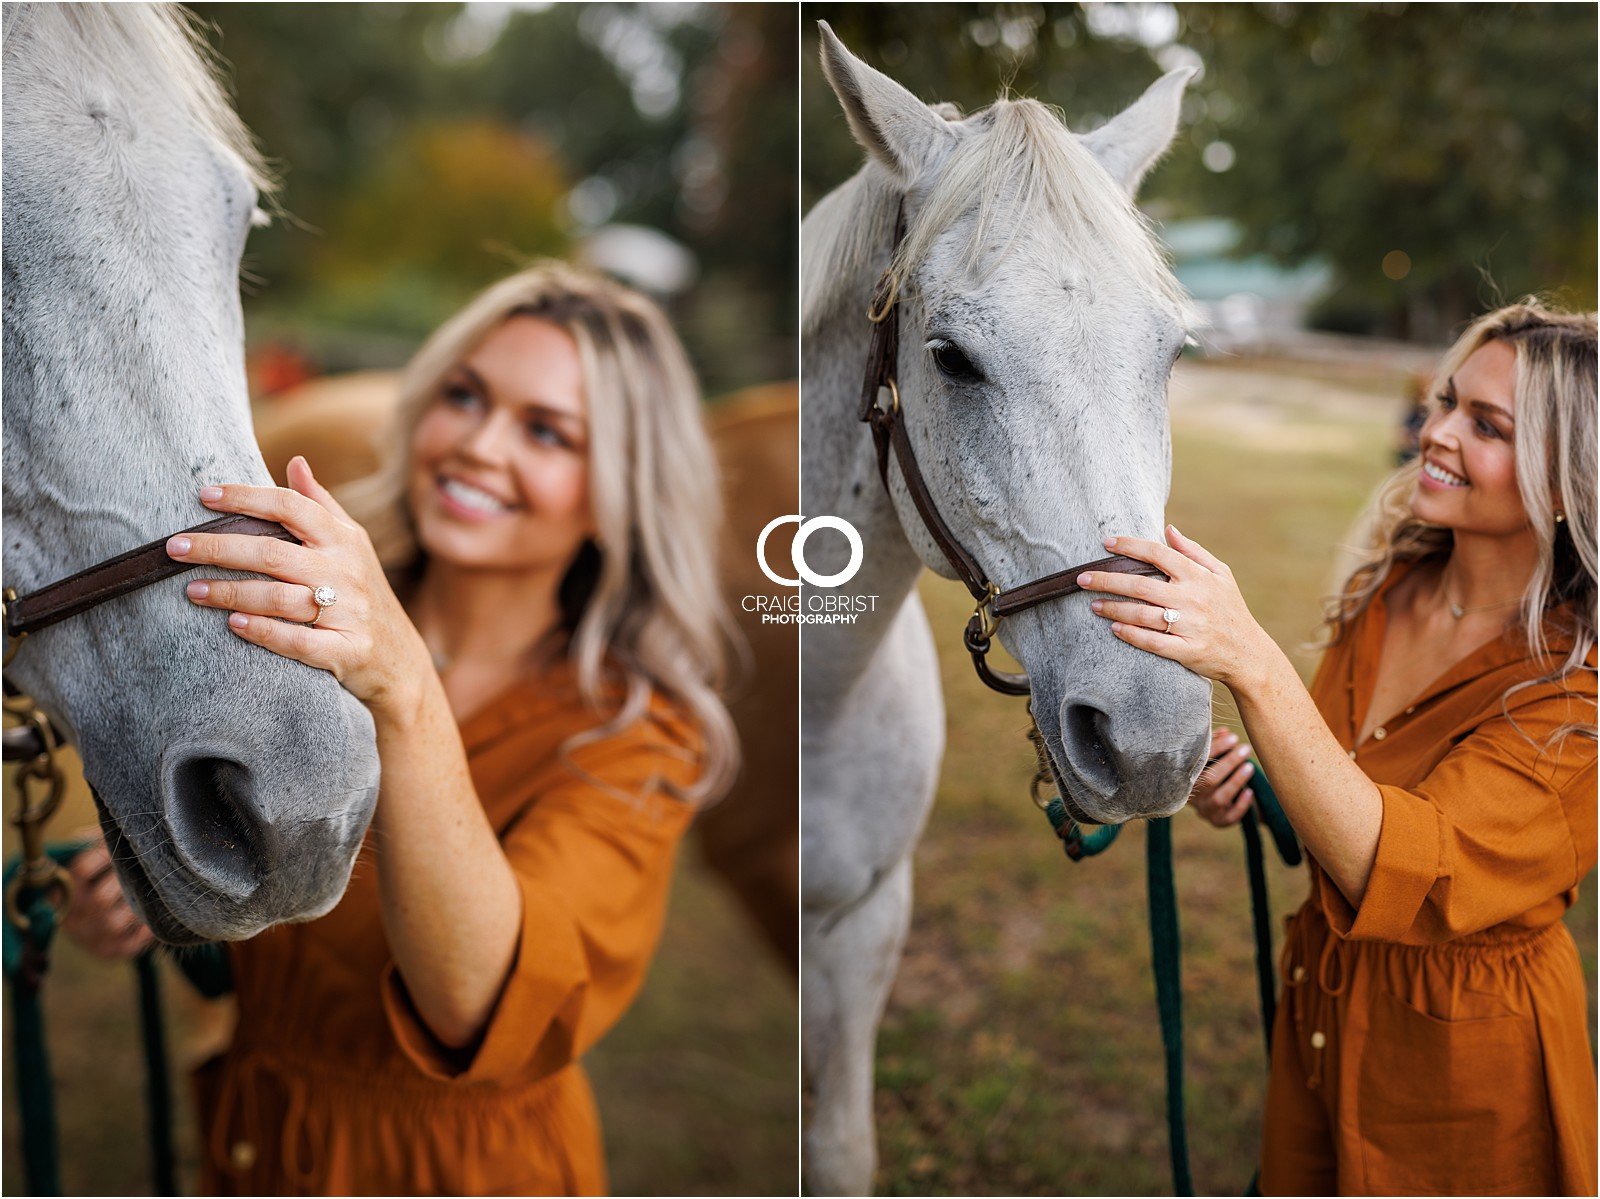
column 1023, row 169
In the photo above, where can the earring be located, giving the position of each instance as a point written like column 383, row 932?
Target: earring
column 1561, row 517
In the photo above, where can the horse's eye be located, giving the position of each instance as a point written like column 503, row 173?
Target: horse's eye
column 951, row 361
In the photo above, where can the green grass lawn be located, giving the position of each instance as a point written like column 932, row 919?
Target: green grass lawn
column 1020, row 1053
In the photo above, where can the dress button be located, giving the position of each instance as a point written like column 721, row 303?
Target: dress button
column 1318, row 1039
column 1379, row 733
column 243, row 1155
column 1299, row 974
column 1352, row 755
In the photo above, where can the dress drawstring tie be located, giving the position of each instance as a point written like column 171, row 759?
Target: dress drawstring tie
column 235, row 1150
column 1316, row 1000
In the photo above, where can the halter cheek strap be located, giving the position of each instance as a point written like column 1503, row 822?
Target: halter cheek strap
column 887, row 422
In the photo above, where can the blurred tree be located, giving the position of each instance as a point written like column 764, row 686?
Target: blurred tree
column 327, row 89
column 679, row 117
column 739, row 199
column 452, row 205
column 968, row 54
column 1439, row 156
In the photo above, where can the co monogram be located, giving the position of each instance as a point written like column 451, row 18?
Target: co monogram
column 797, row 551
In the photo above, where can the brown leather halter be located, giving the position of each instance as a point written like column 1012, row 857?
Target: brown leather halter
column 889, row 432
column 115, row 577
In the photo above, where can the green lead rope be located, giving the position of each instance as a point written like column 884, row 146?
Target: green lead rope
column 26, row 959
column 1165, row 941
column 26, row 953
column 1164, row 947
column 157, row 1082
column 1078, row 843
column 1268, row 811
column 26, row 962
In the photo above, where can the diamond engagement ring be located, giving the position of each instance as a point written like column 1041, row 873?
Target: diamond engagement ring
column 324, row 598
column 1171, row 616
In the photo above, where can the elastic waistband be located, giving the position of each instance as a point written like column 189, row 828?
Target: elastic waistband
column 394, row 1076
column 1500, row 941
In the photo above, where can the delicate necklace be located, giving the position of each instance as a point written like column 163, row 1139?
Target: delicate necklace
column 1457, row 611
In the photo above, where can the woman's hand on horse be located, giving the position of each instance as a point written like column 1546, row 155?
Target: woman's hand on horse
column 98, row 915
column 364, row 639
column 1220, row 794
column 1213, row 634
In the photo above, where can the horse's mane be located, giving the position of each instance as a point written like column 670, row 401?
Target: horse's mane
column 1022, row 166
column 159, row 45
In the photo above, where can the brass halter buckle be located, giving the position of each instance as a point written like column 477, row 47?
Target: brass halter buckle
column 988, row 622
column 7, row 598
column 39, row 872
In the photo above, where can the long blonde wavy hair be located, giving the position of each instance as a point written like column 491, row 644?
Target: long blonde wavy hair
column 642, row 596
column 1554, row 447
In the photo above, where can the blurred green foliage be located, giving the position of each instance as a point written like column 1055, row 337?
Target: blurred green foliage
column 1459, row 136
column 966, row 53
column 428, row 149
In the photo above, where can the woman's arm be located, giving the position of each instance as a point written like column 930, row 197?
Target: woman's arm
column 452, row 908
column 1334, row 807
column 451, row 904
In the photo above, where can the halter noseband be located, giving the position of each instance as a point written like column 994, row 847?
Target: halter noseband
column 115, row 577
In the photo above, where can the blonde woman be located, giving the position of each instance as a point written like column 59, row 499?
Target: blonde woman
column 1441, row 771
column 524, row 598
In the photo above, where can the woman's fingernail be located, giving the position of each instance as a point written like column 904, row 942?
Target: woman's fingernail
column 1116, row 626
column 1111, row 543
column 239, row 620
column 1248, row 769
column 179, row 546
column 1085, row 579
column 210, row 495
column 1173, row 529
column 1096, row 605
column 198, row 590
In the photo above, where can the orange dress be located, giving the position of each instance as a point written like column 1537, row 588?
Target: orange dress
column 1434, row 1040
column 333, row 1085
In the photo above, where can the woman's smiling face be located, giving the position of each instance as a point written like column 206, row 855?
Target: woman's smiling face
column 1469, row 469
column 500, row 458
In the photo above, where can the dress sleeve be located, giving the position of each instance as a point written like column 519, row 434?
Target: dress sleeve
column 1501, row 825
column 594, row 863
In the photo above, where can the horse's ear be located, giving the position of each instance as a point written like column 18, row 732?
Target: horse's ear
column 1129, row 144
column 891, row 124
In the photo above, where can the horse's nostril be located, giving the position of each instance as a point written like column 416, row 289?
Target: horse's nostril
column 1085, row 736
column 213, row 829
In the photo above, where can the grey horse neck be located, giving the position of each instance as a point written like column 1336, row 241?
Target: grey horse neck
column 839, row 473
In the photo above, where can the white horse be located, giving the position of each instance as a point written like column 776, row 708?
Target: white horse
column 1038, row 326
column 234, row 786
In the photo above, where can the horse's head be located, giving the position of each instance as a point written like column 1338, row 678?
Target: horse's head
column 234, row 786
column 1039, row 325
